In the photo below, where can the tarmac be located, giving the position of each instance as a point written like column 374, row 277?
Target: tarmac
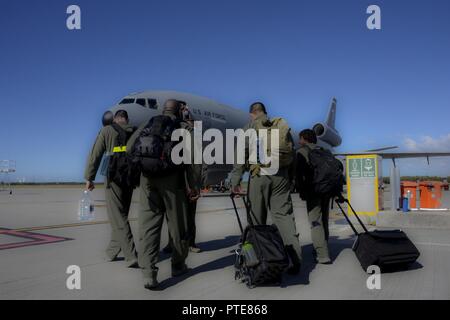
column 40, row 236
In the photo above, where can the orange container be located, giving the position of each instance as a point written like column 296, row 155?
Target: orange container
column 430, row 194
column 410, row 186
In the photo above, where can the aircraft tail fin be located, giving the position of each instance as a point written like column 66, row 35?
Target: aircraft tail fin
column 331, row 117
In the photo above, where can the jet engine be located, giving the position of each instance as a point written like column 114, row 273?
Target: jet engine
column 327, row 134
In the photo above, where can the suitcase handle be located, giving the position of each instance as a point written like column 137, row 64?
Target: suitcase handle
column 232, row 195
column 340, row 199
column 247, row 209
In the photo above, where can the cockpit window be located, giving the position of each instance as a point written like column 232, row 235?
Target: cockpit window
column 141, row 102
column 152, row 104
column 126, row 101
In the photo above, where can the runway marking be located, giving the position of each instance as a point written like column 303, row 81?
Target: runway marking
column 36, row 239
column 88, row 223
column 433, row 244
column 67, row 225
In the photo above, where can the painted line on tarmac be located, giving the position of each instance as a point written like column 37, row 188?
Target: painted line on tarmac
column 89, row 223
column 32, row 237
column 66, row 225
column 433, row 244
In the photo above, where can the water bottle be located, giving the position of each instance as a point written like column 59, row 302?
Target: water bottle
column 85, row 207
column 250, row 257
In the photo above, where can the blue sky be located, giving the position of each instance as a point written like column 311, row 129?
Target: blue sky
column 392, row 85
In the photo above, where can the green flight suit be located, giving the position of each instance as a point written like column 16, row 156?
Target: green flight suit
column 118, row 199
column 318, row 207
column 271, row 192
column 165, row 196
column 192, row 228
column 198, row 171
column 159, row 197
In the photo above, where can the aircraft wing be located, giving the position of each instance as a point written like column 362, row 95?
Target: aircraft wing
column 398, row 155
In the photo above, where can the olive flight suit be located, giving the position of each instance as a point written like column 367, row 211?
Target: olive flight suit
column 271, row 193
column 118, row 199
column 161, row 197
column 198, row 172
column 317, row 206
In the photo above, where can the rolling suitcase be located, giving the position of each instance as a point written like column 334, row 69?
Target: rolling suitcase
column 261, row 257
column 390, row 250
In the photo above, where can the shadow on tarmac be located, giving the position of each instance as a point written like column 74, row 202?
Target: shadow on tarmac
column 336, row 246
column 212, row 245
column 210, row 266
column 415, row 266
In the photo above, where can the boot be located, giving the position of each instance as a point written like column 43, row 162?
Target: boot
column 195, row 249
column 325, row 260
column 179, row 271
column 167, row 249
column 133, row 264
column 152, row 282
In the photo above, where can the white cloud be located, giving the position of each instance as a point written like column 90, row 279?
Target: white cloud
column 428, row 143
column 438, row 166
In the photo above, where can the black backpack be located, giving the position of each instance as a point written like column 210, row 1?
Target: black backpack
column 120, row 168
column 152, row 149
column 268, row 248
column 328, row 172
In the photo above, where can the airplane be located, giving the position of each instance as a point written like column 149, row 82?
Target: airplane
column 142, row 106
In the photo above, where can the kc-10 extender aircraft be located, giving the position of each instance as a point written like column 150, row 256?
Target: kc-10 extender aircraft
column 144, row 105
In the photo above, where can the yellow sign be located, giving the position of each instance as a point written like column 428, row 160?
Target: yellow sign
column 364, row 181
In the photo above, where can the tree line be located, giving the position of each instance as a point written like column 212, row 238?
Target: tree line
column 418, row 178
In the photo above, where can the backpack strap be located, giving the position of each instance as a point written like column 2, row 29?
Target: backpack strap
column 175, row 124
column 305, row 151
column 156, row 123
column 275, row 121
column 308, row 149
column 122, row 139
